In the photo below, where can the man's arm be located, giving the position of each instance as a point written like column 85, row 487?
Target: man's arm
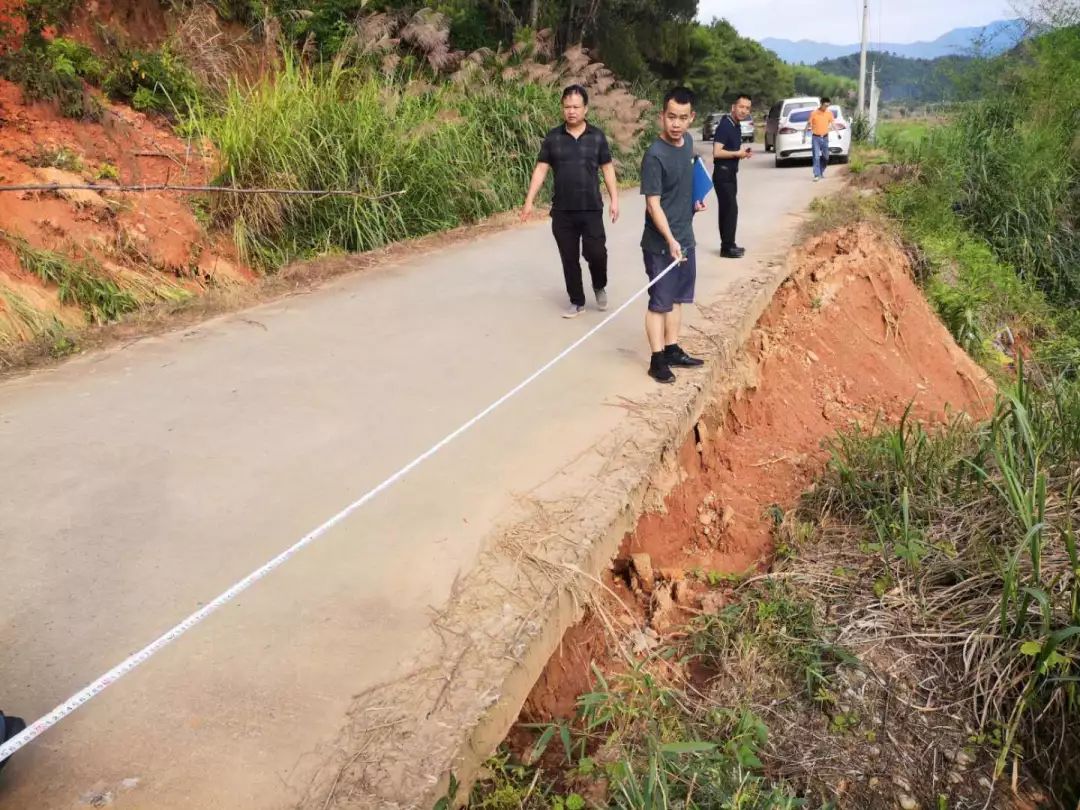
column 659, row 219
column 539, row 175
column 719, row 153
column 608, row 170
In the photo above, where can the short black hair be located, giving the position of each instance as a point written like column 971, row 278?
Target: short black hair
column 576, row 90
column 680, row 95
column 826, row 100
column 735, row 98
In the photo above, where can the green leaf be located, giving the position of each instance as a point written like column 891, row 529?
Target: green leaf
column 749, row 760
column 575, row 802
column 1031, row 648
column 541, row 744
column 564, row 733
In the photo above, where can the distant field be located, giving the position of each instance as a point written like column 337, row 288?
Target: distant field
column 906, row 132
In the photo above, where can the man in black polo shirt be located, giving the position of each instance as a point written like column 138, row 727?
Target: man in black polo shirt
column 727, row 152
column 576, row 151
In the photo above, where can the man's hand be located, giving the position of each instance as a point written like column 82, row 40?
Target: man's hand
column 675, row 250
column 526, row 211
column 699, row 206
column 745, row 153
column 614, row 210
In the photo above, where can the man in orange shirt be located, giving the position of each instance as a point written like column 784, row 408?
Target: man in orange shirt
column 822, row 122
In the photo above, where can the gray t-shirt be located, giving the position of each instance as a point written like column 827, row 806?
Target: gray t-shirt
column 668, row 171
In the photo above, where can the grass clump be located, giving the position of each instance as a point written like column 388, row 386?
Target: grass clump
column 79, row 282
column 424, row 158
column 58, row 158
column 108, row 171
column 639, row 742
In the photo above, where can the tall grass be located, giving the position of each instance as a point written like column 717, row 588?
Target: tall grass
column 425, row 158
column 1009, row 166
column 975, row 530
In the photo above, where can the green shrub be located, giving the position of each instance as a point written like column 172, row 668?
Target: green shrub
column 56, row 71
column 152, row 81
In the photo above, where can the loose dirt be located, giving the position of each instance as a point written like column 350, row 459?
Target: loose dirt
column 848, row 341
column 154, row 245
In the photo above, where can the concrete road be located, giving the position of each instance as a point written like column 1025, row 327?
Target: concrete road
column 136, row 484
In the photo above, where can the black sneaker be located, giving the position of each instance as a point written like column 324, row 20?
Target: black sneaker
column 675, row 356
column 733, row 253
column 9, row 727
column 660, row 371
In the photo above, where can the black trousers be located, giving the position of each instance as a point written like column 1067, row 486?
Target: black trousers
column 581, row 233
column 727, row 204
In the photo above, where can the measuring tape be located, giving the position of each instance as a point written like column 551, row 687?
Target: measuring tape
column 129, row 664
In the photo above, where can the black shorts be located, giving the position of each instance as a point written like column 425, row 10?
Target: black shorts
column 677, row 287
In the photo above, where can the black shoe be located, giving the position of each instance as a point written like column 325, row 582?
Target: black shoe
column 660, row 371
column 733, row 253
column 9, row 727
column 675, row 356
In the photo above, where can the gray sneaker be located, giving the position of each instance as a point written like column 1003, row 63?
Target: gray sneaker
column 601, row 299
column 573, row 311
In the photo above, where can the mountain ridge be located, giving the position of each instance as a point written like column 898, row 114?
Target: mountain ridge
column 997, row 36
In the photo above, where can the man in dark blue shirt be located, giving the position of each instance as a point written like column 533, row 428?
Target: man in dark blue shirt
column 727, row 152
column 576, row 151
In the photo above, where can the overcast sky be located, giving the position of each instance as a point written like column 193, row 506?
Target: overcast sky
column 838, row 22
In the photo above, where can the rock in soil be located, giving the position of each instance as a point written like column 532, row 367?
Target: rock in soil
column 641, row 565
column 664, row 612
column 712, row 603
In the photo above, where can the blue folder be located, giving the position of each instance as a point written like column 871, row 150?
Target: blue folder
column 702, row 181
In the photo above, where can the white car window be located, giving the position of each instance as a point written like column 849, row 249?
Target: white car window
column 797, row 105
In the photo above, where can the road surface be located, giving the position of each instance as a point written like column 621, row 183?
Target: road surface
column 139, row 483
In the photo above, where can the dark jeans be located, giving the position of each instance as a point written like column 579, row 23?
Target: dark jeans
column 581, row 233
column 819, row 150
column 727, row 204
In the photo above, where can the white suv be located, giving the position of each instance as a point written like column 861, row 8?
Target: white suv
column 778, row 115
column 793, row 138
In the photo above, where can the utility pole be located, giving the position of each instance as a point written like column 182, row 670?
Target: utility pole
column 861, row 112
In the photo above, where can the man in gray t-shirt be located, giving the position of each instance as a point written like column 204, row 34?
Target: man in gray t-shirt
column 667, row 183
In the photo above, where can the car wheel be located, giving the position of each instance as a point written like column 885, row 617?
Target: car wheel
column 779, row 162
column 842, row 159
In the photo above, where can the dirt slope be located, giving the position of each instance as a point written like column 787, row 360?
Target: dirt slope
column 152, row 246
column 848, row 340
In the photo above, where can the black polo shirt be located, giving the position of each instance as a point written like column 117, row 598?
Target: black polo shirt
column 575, row 163
column 729, row 136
